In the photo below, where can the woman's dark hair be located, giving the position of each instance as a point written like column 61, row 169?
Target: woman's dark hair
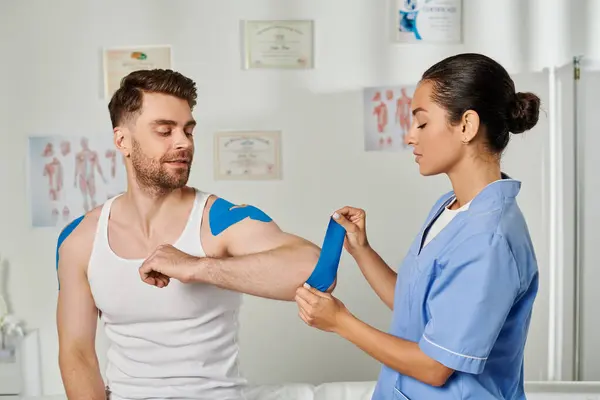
column 476, row 82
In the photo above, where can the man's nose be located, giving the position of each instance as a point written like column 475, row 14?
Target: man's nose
column 182, row 140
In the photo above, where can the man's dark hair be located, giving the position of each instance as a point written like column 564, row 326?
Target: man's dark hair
column 128, row 99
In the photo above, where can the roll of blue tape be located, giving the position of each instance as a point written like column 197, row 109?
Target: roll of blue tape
column 326, row 269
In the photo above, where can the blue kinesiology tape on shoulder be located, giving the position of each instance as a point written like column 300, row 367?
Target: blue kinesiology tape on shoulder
column 64, row 235
column 326, row 269
column 224, row 214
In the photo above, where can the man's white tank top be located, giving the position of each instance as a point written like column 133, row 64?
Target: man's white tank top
column 178, row 342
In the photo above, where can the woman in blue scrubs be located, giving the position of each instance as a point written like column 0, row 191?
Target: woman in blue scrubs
column 463, row 297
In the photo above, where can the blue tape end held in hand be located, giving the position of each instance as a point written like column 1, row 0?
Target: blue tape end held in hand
column 326, row 269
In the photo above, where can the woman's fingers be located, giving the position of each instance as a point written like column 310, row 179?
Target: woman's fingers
column 348, row 225
column 353, row 214
column 348, row 211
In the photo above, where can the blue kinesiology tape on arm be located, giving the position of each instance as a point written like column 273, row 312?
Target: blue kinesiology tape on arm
column 63, row 236
column 224, row 214
column 326, row 269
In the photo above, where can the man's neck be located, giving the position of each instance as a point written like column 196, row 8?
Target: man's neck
column 148, row 206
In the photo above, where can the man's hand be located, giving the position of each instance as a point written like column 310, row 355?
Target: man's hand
column 166, row 263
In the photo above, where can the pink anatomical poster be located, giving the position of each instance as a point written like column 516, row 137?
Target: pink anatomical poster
column 69, row 176
column 387, row 117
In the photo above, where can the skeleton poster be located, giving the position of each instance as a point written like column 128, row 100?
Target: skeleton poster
column 69, row 176
column 387, row 117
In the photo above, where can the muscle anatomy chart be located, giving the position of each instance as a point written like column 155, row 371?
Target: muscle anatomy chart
column 69, row 176
column 387, row 117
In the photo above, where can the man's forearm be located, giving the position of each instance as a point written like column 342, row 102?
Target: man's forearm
column 379, row 275
column 81, row 376
column 398, row 354
column 274, row 274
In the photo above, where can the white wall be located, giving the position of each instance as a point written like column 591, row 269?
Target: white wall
column 50, row 79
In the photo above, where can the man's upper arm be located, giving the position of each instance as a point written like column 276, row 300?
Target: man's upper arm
column 76, row 311
column 245, row 229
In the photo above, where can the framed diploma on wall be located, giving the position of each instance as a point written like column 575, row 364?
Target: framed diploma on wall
column 427, row 21
column 283, row 44
column 247, row 155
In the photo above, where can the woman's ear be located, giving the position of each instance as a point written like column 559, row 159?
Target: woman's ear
column 469, row 126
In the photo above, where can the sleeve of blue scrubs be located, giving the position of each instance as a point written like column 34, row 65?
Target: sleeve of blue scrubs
column 469, row 301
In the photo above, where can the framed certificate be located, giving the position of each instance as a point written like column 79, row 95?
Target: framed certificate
column 431, row 21
column 286, row 44
column 247, row 155
column 119, row 62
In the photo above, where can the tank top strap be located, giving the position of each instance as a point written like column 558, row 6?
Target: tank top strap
column 192, row 229
column 102, row 227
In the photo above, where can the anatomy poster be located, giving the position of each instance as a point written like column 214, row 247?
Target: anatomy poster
column 69, row 176
column 388, row 117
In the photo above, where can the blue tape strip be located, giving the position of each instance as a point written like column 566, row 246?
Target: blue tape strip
column 64, row 235
column 224, row 214
column 326, row 269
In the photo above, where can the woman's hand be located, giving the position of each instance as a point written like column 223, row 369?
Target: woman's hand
column 320, row 310
column 354, row 222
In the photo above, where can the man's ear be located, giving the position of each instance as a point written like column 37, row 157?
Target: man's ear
column 122, row 140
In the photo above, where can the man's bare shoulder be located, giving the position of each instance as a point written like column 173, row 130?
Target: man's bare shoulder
column 225, row 222
column 209, row 202
column 76, row 240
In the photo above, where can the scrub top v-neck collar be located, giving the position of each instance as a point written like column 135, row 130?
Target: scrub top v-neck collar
column 506, row 186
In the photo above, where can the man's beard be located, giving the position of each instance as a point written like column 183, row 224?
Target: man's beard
column 154, row 175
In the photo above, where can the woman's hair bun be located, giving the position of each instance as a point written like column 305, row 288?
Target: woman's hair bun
column 524, row 112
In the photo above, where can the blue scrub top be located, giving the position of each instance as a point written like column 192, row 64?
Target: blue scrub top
column 466, row 298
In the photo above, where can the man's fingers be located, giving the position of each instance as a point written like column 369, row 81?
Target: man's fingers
column 152, row 277
column 144, row 274
column 150, row 280
column 162, row 280
column 146, row 268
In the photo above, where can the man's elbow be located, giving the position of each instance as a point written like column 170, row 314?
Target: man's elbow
column 310, row 257
column 306, row 255
column 76, row 356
